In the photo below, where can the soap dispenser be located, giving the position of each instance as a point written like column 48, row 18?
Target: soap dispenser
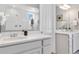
column 25, row 33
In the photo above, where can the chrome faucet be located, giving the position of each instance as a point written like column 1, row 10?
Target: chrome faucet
column 13, row 35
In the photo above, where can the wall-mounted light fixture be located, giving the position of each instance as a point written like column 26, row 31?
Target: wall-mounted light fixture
column 64, row 7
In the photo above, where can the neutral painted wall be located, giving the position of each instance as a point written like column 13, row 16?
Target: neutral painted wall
column 47, row 21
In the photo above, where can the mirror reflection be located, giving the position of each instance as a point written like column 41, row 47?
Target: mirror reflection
column 19, row 17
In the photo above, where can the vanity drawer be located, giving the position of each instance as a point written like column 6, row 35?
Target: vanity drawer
column 46, row 42
column 20, row 47
column 33, row 51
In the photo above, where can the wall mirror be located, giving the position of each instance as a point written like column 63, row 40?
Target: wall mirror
column 19, row 17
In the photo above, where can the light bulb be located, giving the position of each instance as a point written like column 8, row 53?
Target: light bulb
column 64, row 7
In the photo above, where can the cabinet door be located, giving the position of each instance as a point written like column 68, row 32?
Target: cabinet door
column 75, row 42
column 47, row 46
column 47, row 50
column 62, row 44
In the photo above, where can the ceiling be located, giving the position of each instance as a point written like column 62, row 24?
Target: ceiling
column 72, row 5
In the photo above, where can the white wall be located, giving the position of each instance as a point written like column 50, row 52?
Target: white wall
column 53, row 27
column 46, row 18
column 47, row 21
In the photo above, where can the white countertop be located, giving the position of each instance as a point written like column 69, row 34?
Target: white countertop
column 66, row 32
column 9, row 41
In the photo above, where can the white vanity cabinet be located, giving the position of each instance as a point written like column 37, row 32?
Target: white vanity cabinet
column 75, row 42
column 29, row 47
column 62, row 44
column 37, row 46
column 67, row 42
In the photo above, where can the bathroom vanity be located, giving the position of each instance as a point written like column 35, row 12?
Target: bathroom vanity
column 31, row 44
column 28, row 18
column 67, row 42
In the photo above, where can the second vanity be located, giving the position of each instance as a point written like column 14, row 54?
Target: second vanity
column 67, row 42
column 31, row 44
